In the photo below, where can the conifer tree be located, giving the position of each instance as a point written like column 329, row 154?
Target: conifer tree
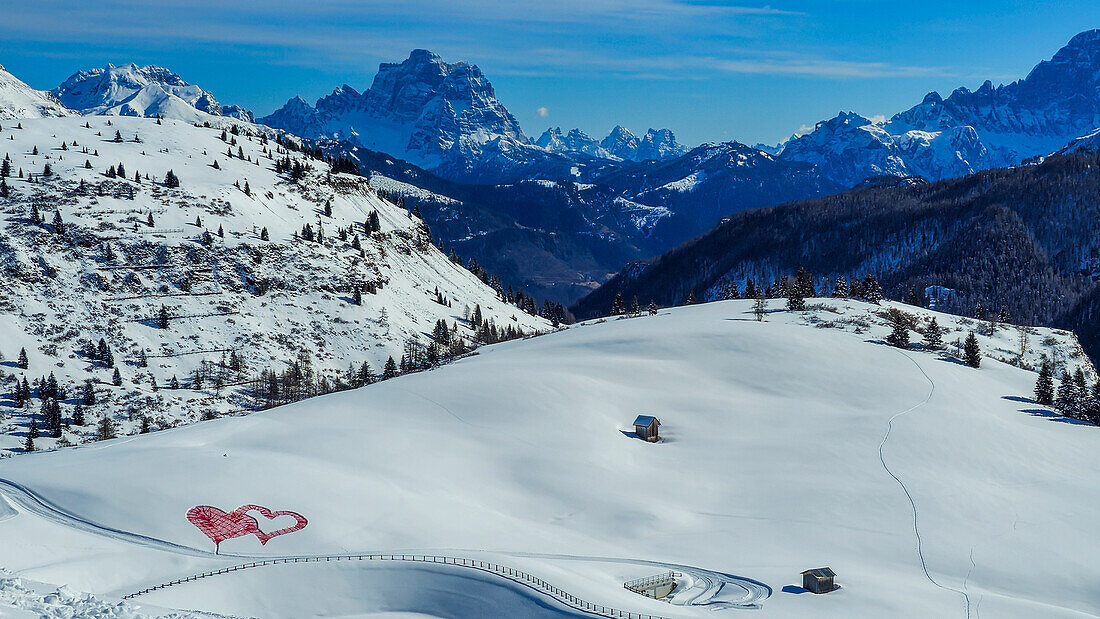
column 617, row 306
column 22, row 362
column 162, row 318
column 28, row 444
column 871, row 289
column 78, row 415
column 116, row 378
column 390, row 369
column 652, row 308
column 264, row 236
column 933, row 335
column 1044, row 386
column 972, row 353
column 1066, row 400
column 105, row 429
column 795, row 300
column 88, row 396
column 899, row 336
column 33, row 431
column 759, row 306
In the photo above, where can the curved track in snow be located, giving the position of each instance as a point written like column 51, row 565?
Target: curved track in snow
column 708, row 588
column 908, row 494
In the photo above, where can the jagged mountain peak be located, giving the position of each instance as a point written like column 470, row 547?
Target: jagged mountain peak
column 992, row 126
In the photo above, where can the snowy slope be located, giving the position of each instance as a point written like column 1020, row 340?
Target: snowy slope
column 924, row 483
column 271, row 302
column 18, row 100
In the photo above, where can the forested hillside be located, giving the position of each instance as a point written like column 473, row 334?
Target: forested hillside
column 1024, row 239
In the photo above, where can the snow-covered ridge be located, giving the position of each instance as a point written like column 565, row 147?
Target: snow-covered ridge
column 18, row 100
column 224, row 254
column 151, row 91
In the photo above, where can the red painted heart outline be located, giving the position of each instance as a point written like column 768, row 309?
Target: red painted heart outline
column 219, row 525
column 300, row 521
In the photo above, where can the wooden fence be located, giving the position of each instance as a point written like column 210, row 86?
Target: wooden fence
column 518, row 576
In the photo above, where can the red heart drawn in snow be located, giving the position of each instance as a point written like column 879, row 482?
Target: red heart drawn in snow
column 299, row 521
column 220, row 526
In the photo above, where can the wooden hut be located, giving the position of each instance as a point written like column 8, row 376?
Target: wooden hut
column 818, row 580
column 645, row 426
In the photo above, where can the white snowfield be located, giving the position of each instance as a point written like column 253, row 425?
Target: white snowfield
column 110, row 275
column 932, row 489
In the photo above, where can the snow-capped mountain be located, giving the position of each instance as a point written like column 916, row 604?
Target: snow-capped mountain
column 130, row 90
column 18, row 100
column 656, row 144
column 576, row 141
column 260, row 254
column 850, row 148
column 619, row 145
column 993, row 126
column 440, row 116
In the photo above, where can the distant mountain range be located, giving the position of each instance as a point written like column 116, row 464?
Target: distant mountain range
column 619, row 145
column 994, row 126
column 586, row 206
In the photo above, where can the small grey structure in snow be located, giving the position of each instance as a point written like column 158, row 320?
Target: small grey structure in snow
column 818, row 580
column 645, row 426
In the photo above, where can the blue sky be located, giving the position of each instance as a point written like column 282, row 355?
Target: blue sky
column 708, row 69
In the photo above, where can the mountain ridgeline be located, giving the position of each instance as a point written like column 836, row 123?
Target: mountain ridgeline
column 1026, row 239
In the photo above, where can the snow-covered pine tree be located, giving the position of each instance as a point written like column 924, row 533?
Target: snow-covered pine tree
column 795, row 301
column 840, row 288
column 617, row 307
column 760, row 306
column 871, row 290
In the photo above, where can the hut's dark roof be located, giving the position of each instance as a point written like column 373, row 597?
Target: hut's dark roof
column 820, row 572
column 645, row 420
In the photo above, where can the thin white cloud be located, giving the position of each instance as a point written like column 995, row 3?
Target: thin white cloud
column 542, row 112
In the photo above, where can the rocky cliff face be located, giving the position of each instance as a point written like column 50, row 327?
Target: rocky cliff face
column 440, row 116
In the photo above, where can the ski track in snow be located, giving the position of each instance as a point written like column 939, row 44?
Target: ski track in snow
column 908, row 494
column 705, row 586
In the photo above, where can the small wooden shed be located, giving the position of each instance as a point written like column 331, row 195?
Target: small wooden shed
column 645, row 426
column 818, row 580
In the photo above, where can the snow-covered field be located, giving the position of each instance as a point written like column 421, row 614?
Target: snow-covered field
column 932, row 488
